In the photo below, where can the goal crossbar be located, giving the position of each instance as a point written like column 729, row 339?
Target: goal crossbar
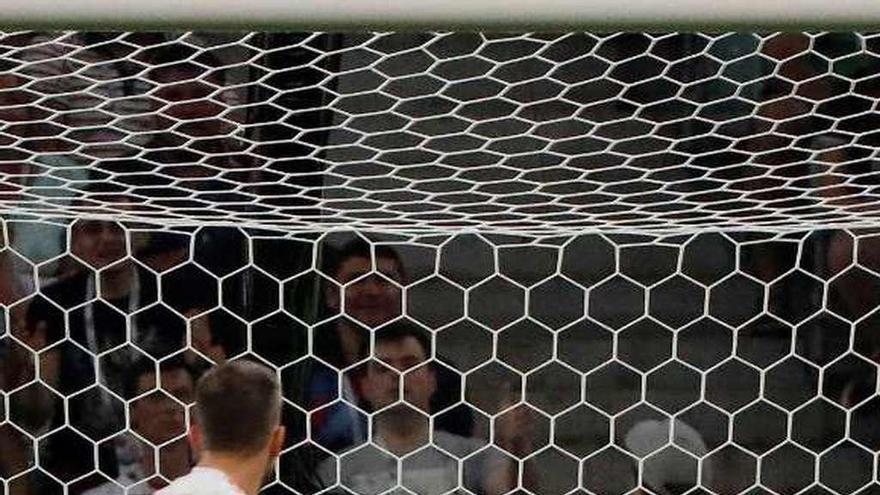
column 442, row 14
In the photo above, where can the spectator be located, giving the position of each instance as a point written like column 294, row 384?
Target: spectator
column 401, row 429
column 156, row 417
column 369, row 301
column 125, row 288
column 98, row 327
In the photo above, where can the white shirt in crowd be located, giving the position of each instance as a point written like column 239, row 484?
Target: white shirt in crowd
column 130, row 473
column 202, row 481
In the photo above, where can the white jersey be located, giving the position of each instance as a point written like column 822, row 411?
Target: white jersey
column 202, row 481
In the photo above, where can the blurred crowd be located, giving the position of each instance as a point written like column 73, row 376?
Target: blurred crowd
column 144, row 313
column 371, row 386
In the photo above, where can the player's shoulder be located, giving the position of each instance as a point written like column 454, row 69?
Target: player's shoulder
column 201, row 481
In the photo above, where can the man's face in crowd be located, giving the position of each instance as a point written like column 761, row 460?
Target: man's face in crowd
column 156, row 416
column 98, row 243
column 372, row 300
column 381, row 382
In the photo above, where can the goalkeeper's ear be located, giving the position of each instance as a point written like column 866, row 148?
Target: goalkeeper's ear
column 196, row 439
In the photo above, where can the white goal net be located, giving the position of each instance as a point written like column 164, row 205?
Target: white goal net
column 481, row 263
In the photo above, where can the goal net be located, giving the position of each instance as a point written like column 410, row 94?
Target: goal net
column 480, row 263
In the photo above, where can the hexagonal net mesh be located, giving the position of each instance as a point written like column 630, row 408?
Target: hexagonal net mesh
column 479, row 264
column 524, row 133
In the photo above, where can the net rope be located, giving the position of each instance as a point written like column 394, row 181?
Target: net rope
column 615, row 262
